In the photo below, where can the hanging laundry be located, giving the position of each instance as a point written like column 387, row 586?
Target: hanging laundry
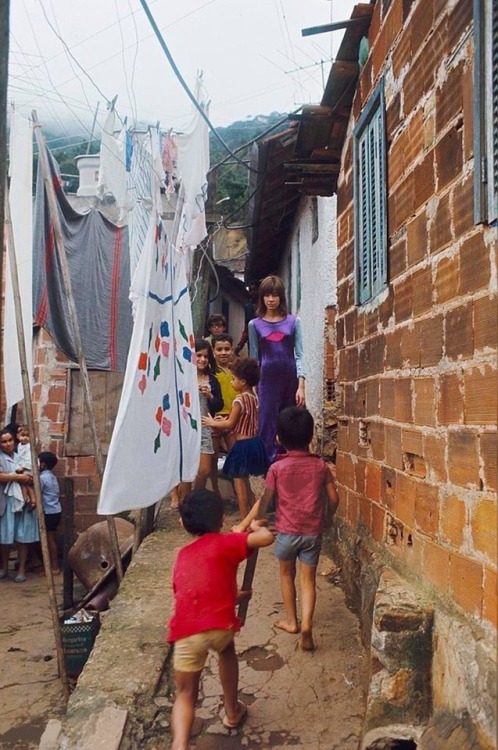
column 193, row 165
column 21, row 209
column 115, row 156
column 156, row 438
column 169, row 155
column 99, row 267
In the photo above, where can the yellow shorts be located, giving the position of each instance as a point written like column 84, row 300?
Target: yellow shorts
column 190, row 653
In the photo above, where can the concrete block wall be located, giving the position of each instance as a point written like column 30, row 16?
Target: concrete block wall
column 416, row 367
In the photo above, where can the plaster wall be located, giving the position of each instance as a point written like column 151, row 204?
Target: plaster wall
column 309, row 273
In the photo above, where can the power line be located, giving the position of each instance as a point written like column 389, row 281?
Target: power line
column 182, row 81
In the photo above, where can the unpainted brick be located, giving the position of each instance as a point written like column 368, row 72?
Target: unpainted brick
column 410, row 346
column 463, row 461
column 387, row 398
column 388, row 487
column 441, row 232
column 393, row 349
column 422, row 291
column 459, row 332
column 480, row 386
column 484, row 536
column 475, row 266
column 403, row 299
column 365, row 507
column 489, row 452
column 427, row 509
column 404, row 502
column 378, row 523
column 373, row 479
column 424, row 401
column 377, row 440
column 403, row 400
column 397, row 258
column 449, row 97
column 431, row 341
column 424, row 181
column 447, row 282
column 453, row 520
column 466, row 583
column 392, row 446
column 436, row 565
column 373, row 394
column 360, row 474
column 345, row 470
column 412, row 441
column 485, row 323
column 449, row 157
column 462, row 205
column 489, row 601
column 450, row 405
column 459, row 21
column 417, row 238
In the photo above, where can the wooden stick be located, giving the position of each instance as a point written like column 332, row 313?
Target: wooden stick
column 68, row 529
column 68, row 289
column 28, row 404
column 250, row 568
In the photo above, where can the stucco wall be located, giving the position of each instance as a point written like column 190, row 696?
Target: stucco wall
column 312, row 267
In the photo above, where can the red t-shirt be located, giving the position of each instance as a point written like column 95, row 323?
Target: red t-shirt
column 205, row 585
column 298, row 479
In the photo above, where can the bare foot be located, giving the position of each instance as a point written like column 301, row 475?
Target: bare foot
column 289, row 627
column 232, row 722
column 306, row 641
column 56, row 571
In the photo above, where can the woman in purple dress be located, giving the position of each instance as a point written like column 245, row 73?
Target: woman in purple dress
column 276, row 341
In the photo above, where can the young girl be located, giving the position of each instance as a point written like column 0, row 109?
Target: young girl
column 248, row 456
column 275, row 340
column 210, row 402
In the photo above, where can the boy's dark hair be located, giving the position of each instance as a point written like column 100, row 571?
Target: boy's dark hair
column 48, row 458
column 216, row 318
column 201, row 512
column 222, row 337
column 201, row 344
column 295, row 428
column 248, row 370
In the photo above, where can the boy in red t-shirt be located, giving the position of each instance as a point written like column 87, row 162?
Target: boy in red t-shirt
column 298, row 480
column 204, row 619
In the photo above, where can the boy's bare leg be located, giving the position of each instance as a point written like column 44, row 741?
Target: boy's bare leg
column 288, row 587
column 308, row 601
column 203, row 471
column 183, row 714
column 214, row 464
column 22, row 558
column 245, row 495
column 52, row 548
column 229, row 677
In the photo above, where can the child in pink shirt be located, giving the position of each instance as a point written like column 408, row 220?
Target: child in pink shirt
column 297, row 481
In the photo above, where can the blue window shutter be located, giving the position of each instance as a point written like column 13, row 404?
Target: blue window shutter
column 370, row 199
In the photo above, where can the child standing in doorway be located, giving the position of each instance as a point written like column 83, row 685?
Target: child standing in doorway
column 216, row 324
column 297, row 480
column 204, row 619
column 52, row 509
column 247, row 456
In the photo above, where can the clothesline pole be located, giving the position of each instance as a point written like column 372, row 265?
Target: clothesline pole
column 68, row 290
column 250, row 568
column 28, row 406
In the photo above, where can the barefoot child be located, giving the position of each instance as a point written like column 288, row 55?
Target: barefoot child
column 204, row 619
column 297, row 480
column 52, row 509
column 247, row 456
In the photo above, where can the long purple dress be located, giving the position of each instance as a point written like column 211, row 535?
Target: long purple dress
column 277, row 346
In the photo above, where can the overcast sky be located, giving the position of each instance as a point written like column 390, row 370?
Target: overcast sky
column 252, row 54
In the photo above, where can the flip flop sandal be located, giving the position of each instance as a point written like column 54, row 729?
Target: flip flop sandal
column 234, row 725
column 19, row 579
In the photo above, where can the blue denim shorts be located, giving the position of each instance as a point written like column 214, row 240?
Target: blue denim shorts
column 294, row 546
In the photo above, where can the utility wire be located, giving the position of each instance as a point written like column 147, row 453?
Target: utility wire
column 182, row 81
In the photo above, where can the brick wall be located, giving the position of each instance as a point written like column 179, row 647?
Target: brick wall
column 416, row 463
column 51, row 413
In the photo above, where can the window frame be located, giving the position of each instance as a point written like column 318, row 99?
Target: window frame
column 370, row 237
column 485, row 111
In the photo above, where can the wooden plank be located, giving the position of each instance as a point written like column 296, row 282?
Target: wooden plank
column 325, row 169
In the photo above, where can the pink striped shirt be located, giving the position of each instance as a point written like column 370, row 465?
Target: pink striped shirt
column 247, row 424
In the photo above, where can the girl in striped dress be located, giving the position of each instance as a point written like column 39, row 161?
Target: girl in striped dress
column 248, row 456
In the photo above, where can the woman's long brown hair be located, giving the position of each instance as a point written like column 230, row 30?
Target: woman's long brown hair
column 271, row 285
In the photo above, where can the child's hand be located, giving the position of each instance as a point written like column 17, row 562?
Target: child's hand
column 19, row 470
column 207, row 421
column 243, row 596
column 238, row 528
column 258, row 523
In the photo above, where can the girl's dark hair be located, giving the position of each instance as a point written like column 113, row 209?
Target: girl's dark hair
column 201, row 512
column 248, row 370
column 201, row 344
column 271, row 285
column 295, row 428
column 216, row 318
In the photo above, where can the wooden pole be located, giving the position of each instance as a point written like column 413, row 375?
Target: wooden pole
column 28, row 404
column 4, row 75
column 251, row 567
column 68, row 528
column 68, row 289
